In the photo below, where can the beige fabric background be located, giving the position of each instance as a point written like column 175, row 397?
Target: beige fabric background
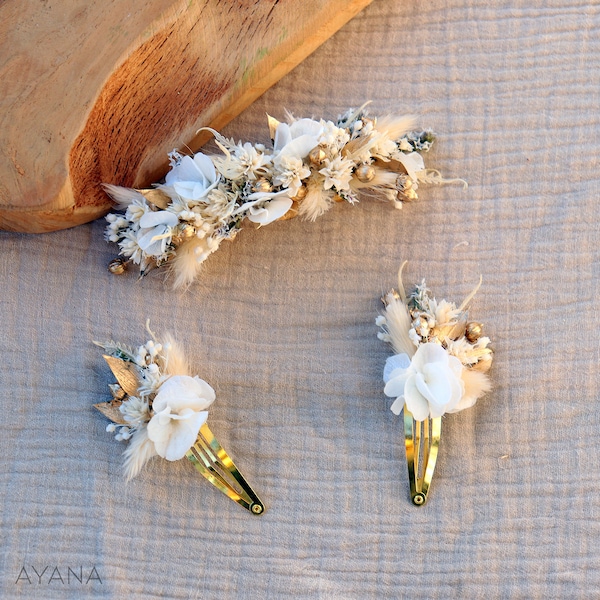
column 282, row 325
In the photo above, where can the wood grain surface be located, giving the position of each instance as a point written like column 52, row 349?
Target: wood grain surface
column 101, row 92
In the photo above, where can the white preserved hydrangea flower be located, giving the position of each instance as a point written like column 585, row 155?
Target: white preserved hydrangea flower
column 192, row 178
column 430, row 384
column 156, row 231
column 179, row 412
column 264, row 213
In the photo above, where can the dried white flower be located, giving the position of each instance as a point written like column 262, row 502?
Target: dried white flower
column 193, row 178
column 430, row 384
column 179, row 412
column 337, row 173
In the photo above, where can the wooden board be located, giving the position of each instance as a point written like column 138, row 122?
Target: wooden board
column 94, row 92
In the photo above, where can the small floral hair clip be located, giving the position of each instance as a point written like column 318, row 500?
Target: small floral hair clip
column 161, row 409
column 311, row 165
column 440, row 366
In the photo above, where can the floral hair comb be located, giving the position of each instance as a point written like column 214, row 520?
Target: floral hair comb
column 162, row 410
column 440, row 366
column 312, row 164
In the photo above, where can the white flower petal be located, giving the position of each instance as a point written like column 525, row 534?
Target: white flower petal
column 300, row 146
column 398, row 361
column 413, row 163
column 184, row 436
column 428, row 353
column 270, row 212
column 306, row 127
column 282, row 136
column 435, row 383
column 395, row 386
column 160, row 217
column 415, row 402
column 397, row 405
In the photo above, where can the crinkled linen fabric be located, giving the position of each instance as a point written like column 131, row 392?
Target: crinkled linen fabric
column 281, row 324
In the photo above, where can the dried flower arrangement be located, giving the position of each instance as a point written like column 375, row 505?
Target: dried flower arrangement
column 162, row 410
column 312, row 164
column 440, row 367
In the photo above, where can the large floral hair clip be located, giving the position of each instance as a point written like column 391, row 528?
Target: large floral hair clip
column 311, row 165
column 162, row 410
column 440, row 366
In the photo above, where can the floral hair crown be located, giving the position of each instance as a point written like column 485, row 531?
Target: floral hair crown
column 312, row 164
column 440, row 366
column 162, row 410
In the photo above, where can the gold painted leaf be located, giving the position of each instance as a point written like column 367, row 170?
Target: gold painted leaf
column 111, row 411
column 127, row 374
column 156, row 197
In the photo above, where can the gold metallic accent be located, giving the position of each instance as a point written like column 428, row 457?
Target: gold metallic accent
column 188, row 231
column 291, row 213
column 262, row 185
column 127, row 374
column 317, row 155
column 408, row 194
column 117, row 266
column 300, row 194
column 111, row 411
column 422, row 441
column 365, row 173
column 211, row 460
column 156, row 197
column 473, row 331
column 273, row 124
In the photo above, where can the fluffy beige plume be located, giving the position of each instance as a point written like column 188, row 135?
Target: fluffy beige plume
column 316, row 202
column 476, row 384
column 176, row 362
column 138, row 452
column 398, row 324
column 185, row 265
column 394, row 127
column 122, row 197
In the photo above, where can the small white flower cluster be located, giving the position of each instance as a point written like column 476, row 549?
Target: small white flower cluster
column 312, row 164
column 165, row 415
column 442, row 358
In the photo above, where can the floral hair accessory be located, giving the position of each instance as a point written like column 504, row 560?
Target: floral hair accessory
column 162, row 410
column 440, row 366
column 311, row 165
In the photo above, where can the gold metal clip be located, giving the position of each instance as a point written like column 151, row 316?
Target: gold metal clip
column 211, row 460
column 422, row 441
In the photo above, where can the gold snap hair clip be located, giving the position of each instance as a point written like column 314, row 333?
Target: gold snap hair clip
column 440, row 366
column 311, row 165
column 162, row 410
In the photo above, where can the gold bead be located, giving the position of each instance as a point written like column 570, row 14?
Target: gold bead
column 262, row 185
column 473, row 331
column 188, row 231
column 407, row 195
column 300, row 194
column 365, row 173
column 117, row 266
column 317, row 155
